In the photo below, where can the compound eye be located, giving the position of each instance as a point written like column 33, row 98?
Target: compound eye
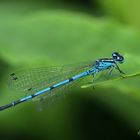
column 118, row 58
column 115, row 54
column 115, row 57
column 121, row 58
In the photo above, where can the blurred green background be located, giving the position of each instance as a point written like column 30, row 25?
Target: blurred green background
column 52, row 32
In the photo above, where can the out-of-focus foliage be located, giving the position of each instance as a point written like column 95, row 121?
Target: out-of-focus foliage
column 36, row 34
column 124, row 10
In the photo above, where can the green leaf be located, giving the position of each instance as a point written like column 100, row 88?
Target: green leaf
column 61, row 37
column 120, row 9
column 122, row 77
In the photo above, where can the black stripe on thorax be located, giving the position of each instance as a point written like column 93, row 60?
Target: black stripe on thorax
column 108, row 61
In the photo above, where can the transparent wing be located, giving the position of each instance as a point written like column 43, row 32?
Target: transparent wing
column 47, row 100
column 33, row 80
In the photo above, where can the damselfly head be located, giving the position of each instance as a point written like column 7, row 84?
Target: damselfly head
column 117, row 57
